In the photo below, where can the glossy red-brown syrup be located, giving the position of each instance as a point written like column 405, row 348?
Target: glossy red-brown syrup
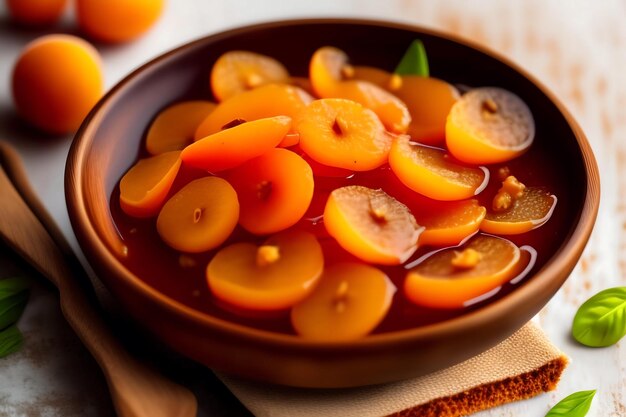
column 161, row 267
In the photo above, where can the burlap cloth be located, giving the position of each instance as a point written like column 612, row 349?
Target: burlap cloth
column 522, row 366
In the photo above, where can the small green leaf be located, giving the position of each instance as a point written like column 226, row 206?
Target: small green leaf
column 12, row 286
column 11, row 341
column 574, row 405
column 414, row 61
column 11, row 308
column 601, row 320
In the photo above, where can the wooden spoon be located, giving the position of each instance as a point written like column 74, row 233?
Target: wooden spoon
column 136, row 390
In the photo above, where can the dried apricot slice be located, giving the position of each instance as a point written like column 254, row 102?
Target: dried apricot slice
column 450, row 278
column 237, row 71
column 489, row 125
column 144, row 187
column 343, row 134
column 350, row 300
column 266, row 101
column 233, row 146
column 528, row 212
column 371, row 225
column 200, row 216
column 273, row 276
column 431, row 172
column 275, row 190
column 448, row 223
column 328, row 70
column 175, row 127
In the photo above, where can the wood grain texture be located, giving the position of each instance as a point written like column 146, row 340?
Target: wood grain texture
column 577, row 48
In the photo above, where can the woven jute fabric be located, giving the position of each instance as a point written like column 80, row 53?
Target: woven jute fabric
column 522, row 366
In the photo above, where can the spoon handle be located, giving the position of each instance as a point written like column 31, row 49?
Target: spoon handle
column 136, row 390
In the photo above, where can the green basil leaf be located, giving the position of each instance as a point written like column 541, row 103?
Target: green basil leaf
column 11, row 341
column 575, row 405
column 601, row 320
column 12, row 286
column 11, row 308
column 414, row 61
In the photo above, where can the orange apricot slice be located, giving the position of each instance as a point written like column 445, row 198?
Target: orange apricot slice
column 328, row 70
column 266, row 101
column 448, row 223
column 175, row 127
column 304, row 83
column 350, row 300
column 234, row 146
column 275, row 190
column 200, row 216
column 144, row 187
column 428, row 99
column 371, row 225
column 489, row 125
column 344, row 134
column 451, row 278
column 273, row 276
column 527, row 212
column 237, row 71
column 432, row 173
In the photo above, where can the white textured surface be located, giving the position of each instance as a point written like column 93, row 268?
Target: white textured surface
column 577, row 48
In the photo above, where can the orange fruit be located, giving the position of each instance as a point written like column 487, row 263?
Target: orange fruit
column 350, row 300
column 447, row 223
column 274, row 189
column 273, row 276
column 436, row 282
column 528, row 212
column 237, row 71
column 489, row 125
column 57, row 79
column 432, row 173
column 344, row 134
column 144, row 187
column 262, row 102
column 371, row 225
column 117, row 20
column 175, row 127
column 36, row 12
column 231, row 147
column 200, row 216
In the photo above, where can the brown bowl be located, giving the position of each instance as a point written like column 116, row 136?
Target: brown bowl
column 111, row 136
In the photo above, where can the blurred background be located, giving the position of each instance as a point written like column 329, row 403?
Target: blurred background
column 577, row 48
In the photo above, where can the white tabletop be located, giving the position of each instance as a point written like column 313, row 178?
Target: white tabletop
column 577, row 48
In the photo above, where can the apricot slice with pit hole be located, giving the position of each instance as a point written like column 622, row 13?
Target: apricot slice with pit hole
column 343, row 134
column 200, row 216
column 273, row 276
column 528, row 212
column 274, row 189
column 428, row 99
column 371, row 225
column 431, row 172
column 233, row 146
column 175, row 127
column 489, row 125
column 330, row 72
column 453, row 277
column 448, row 223
column 266, row 101
column 144, row 187
column 237, row 71
column 350, row 300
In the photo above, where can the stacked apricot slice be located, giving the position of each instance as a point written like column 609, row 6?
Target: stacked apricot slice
column 315, row 197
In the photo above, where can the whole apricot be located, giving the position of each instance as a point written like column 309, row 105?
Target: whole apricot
column 56, row 81
column 117, row 20
column 36, row 12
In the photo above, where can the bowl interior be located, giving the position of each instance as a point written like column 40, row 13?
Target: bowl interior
column 111, row 137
